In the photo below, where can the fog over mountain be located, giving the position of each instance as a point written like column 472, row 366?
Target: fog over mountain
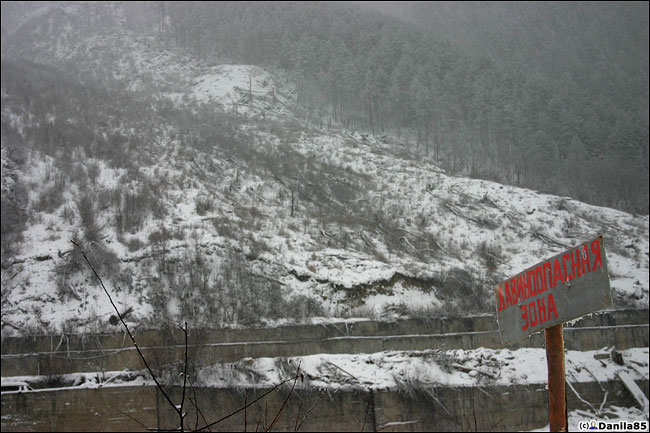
column 242, row 163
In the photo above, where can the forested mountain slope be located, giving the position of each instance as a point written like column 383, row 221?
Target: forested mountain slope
column 487, row 90
column 226, row 176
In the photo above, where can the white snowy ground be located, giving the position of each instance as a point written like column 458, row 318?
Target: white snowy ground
column 392, row 369
column 232, row 87
column 297, row 245
column 448, row 368
column 412, row 369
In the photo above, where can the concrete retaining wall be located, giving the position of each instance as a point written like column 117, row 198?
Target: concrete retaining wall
column 67, row 354
column 362, row 328
column 511, row 408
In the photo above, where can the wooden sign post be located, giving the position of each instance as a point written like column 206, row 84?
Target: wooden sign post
column 564, row 287
column 557, row 413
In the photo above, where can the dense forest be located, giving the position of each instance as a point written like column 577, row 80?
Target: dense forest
column 551, row 96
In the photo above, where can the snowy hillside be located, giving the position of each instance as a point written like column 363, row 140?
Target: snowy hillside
column 202, row 193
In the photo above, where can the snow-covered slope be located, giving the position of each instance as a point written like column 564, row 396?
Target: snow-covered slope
column 244, row 89
column 258, row 214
